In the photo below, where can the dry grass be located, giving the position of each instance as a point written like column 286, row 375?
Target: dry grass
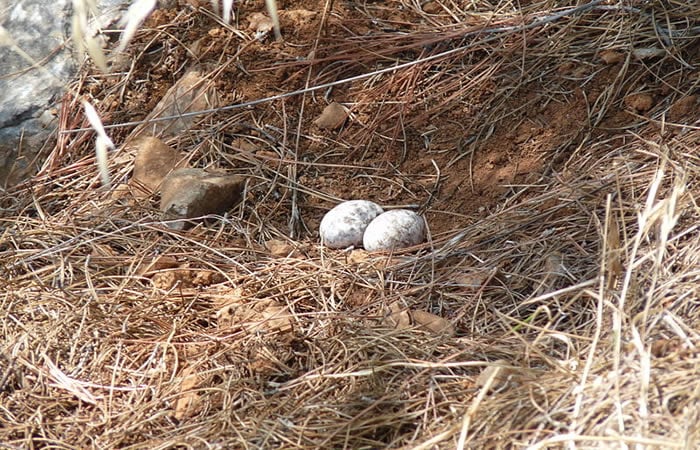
column 585, row 292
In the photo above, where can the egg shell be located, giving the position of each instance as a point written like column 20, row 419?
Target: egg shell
column 345, row 224
column 393, row 229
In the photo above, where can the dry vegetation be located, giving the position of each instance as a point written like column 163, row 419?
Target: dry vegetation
column 553, row 151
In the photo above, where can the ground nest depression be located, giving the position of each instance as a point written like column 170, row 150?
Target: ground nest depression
column 551, row 147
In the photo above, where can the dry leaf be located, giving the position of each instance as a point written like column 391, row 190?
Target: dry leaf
column 554, row 265
column 188, row 402
column 278, row 247
column 245, row 145
column 403, row 319
column 398, row 318
column 257, row 316
column 611, row 56
column 473, row 280
column 358, row 256
column 553, row 271
column 101, row 250
column 149, row 266
column 434, row 323
column 332, row 117
column 495, row 375
column 613, row 256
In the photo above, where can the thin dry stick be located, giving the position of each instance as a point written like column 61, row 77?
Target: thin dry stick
column 600, row 297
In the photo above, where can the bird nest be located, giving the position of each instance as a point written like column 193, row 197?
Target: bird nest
column 551, row 148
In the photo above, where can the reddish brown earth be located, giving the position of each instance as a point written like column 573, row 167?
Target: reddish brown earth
column 482, row 155
column 533, row 155
column 368, row 158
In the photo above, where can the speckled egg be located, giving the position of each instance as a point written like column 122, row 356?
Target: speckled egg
column 398, row 228
column 345, row 224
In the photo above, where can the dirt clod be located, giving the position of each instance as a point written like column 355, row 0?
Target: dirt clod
column 640, row 102
column 332, row 117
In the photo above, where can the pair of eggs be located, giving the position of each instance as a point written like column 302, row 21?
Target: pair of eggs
column 364, row 223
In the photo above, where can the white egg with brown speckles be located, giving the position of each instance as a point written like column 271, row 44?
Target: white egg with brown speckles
column 344, row 225
column 398, row 228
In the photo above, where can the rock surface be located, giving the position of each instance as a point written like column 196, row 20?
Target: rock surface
column 332, row 117
column 190, row 94
column 190, row 193
column 39, row 28
column 154, row 161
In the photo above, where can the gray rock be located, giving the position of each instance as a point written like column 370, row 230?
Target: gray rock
column 41, row 29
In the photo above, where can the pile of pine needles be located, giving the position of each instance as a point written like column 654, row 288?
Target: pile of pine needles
column 574, row 300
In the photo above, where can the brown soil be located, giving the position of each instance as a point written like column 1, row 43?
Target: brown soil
column 482, row 160
column 532, row 154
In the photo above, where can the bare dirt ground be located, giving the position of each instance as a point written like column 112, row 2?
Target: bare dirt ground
column 552, row 151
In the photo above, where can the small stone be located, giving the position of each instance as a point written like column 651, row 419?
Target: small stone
column 191, row 93
column 640, row 102
column 260, row 23
column 154, row 161
column 683, row 109
column 611, row 56
column 647, row 53
column 190, row 193
column 278, row 247
column 332, row 117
